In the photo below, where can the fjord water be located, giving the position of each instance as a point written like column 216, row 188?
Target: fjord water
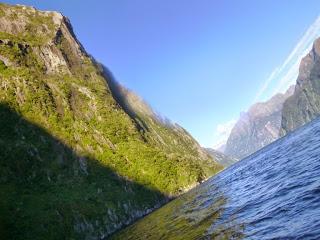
column 272, row 194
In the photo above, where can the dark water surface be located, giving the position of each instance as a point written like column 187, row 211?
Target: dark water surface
column 273, row 194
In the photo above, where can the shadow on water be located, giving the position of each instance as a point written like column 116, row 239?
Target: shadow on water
column 195, row 215
column 48, row 191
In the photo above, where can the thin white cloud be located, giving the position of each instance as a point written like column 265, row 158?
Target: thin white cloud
column 222, row 133
column 290, row 76
column 266, row 84
column 285, row 75
column 288, row 79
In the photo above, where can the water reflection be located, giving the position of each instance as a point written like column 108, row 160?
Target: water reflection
column 195, row 215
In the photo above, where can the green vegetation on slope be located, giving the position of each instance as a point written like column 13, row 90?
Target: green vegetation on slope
column 48, row 190
column 73, row 163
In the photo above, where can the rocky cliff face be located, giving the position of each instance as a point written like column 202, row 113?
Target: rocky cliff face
column 257, row 128
column 304, row 105
column 80, row 158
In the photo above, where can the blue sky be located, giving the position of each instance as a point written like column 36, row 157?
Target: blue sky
column 198, row 62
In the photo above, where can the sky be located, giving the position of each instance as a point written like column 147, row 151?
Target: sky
column 198, row 62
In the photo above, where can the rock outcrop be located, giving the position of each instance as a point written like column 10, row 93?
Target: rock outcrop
column 304, row 105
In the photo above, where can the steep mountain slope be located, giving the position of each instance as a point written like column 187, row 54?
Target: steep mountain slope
column 79, row 158
column 304, row 105
column 221, row 158
column 168, row 136
column 257, row 128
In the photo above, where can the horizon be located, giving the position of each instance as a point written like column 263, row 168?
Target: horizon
column 184, row 67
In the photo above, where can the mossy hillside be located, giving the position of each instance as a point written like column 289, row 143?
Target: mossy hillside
column 67, row 112
column 50, row 192
column 171, row 138
column 93, row 125
column 72, row 152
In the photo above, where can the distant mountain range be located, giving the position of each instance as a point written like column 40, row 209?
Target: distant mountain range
column 267, row 121
column 221, row 158
column 257, row 128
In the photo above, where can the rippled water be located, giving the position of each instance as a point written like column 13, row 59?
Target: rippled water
column 273, row 194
